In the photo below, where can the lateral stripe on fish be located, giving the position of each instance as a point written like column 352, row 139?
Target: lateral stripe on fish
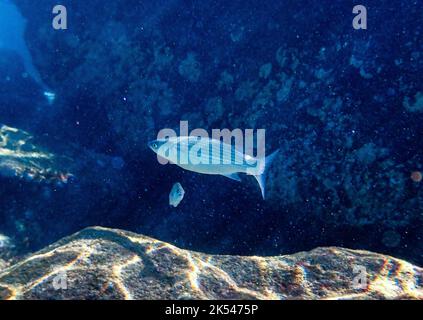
column 198, row 154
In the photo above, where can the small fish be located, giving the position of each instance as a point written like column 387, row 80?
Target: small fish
column 176, row 194
column 228, row 161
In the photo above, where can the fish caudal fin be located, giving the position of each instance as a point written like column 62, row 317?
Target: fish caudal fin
column 261, row 178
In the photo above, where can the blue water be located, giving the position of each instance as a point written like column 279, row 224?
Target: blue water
column 344, row 106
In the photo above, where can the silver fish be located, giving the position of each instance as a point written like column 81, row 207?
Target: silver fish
column 176, row 194
column 211, row 156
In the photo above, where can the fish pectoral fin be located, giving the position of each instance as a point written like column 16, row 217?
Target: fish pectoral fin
column 233, row 176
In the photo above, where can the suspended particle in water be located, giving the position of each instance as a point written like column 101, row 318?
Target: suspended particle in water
column 416, row 176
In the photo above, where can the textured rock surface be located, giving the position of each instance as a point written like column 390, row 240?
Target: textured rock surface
column 39, row 175
column 99, row 263
column 3, row 264
column 342, row 106
column 20, row 157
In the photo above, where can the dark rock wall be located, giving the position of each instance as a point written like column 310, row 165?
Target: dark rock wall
column 342, row 105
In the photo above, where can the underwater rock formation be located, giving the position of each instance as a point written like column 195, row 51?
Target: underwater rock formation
column 99, row 263
column 41, row 181
column 3, row 264
column 6, row 249
column 344, row 107
column 20, row 157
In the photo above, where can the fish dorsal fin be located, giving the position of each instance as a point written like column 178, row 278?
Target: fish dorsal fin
column 233, row 176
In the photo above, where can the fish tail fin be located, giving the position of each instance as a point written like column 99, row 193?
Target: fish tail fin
column 264, row 165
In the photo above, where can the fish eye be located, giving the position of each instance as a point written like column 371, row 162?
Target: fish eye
column 154, row 145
